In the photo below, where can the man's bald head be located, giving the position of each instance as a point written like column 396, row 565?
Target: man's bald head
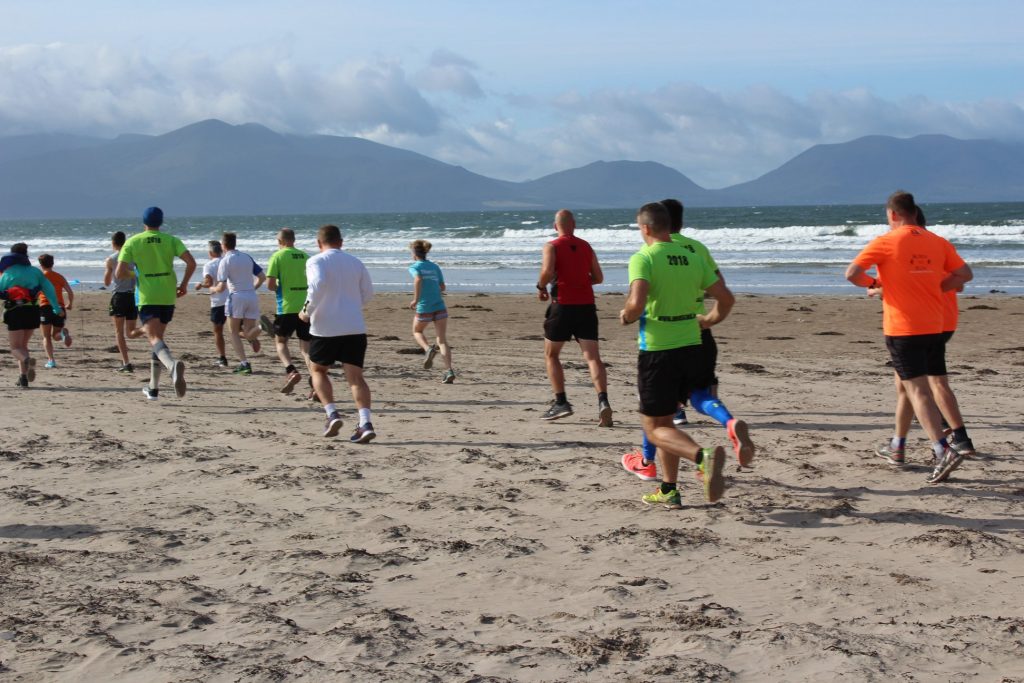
column 565, row 222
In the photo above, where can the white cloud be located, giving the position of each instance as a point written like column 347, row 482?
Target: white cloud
column 715, row 137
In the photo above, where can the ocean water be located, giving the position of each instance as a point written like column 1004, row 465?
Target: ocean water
column 785, row 250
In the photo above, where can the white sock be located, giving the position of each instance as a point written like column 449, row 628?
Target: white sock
column 330, row 408
column 364, row 416
column 154, row 373
column 164, row 354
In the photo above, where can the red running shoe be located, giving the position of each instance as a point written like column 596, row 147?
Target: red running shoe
column 741, row 443
column 633, row 462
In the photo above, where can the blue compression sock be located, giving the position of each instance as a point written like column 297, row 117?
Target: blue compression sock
column 650, row 449
column 706, row 404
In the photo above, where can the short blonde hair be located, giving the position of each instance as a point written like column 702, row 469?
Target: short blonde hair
column 420, row 247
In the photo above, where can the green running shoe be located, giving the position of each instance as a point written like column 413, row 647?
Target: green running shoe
column 670, row 500
column 711, row 467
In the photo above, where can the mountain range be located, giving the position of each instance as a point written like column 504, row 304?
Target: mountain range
column 213, row 168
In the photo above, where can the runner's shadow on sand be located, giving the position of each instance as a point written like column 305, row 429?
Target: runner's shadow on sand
column 814, row 519
column 48, row 531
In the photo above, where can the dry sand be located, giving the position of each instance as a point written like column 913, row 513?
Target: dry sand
column 219, row 537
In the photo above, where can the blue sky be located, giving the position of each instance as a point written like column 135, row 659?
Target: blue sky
column 723, row 91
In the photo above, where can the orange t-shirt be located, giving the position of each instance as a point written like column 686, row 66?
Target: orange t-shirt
column 59, row 283
column 912, row 262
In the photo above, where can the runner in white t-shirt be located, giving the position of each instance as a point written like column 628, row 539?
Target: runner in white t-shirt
column 339, row 287
column 217, row 300
column 239, row 274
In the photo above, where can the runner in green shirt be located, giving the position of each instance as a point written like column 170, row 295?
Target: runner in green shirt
column 151, row 255
column 665, row 281
column 641, row 462
column 286, row 276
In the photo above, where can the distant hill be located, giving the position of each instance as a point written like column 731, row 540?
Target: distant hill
column 936, row 168
column 212, row 168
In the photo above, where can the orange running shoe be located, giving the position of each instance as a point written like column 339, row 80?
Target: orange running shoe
column 633, row 462
column 739, row 434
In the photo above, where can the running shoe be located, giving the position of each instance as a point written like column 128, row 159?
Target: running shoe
column 894, row 456
column 670, row 500
column 31, row 374
column 333, row 425
column 604, row 414
column 266, row 325
column 222, row 362
column 449, row 377
column 680, row 418
column 557, row 411
column 363, row 434
column 633, row 462
column 50, row 364
column 289, row 384
column 126, row 368
column 964, row 448
column 178, row 377
column 151, row 394
column 243, row 369
column 739, row 434
column 23, row 381
column 945, row 465
column 428, row 362
column 711, row 467
column 67, row 338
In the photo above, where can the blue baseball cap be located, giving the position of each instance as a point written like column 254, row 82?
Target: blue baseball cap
column 153, row 217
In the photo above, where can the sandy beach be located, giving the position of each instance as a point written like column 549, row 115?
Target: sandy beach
column 219, row 537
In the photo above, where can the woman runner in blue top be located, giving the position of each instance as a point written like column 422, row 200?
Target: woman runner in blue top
column 427, row 302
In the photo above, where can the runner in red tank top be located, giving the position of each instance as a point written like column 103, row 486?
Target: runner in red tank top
column 570, row 266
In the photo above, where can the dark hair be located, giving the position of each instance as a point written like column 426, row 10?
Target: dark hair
column 655, row 215
column 215, row 247
column 118, row 239
column 329, row 234
column 902, row 204
column 921, row 220
column 46, row 260
column 675, row 214
column 20, row 248
column 229, row 240
column 286, row 235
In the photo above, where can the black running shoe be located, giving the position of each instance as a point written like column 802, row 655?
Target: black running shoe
column 557, row 411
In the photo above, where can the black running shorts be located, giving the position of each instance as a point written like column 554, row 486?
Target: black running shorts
column 25, row 317
column 349, row 349
column 162, row 313
column 666, row 378
column 122, row 305
column 48, row 317
column 287, row 324
column 918, row 355
column 562, row 322
column 217, row 315
column 710, row 346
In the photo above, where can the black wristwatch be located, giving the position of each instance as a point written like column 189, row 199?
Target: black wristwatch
column 542, row 288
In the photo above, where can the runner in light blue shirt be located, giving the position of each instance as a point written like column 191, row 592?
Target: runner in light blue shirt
column 428, row 303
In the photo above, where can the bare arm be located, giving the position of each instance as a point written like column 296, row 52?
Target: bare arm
column 190, row 267
column 124, row 269
column 859, row 277
column 547, row 271
column 636, row 302
column 417, row 289
column 71, row 296
column 272, row 284
column 108, row 272
column 724, row 301
column 260, row 279
column 596, row 276
column 957, row 279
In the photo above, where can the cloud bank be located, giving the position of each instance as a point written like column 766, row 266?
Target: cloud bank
column 441, row 108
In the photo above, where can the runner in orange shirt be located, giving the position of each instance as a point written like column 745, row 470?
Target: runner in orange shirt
column 918, row 268
column 54, row 326
column 894, row 449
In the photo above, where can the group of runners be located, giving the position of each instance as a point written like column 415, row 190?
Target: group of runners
column 320, row 300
